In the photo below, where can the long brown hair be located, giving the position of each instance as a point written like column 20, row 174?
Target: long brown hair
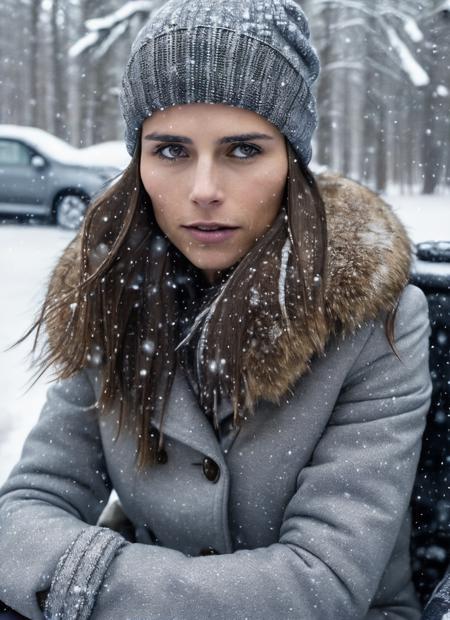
column 122, row 312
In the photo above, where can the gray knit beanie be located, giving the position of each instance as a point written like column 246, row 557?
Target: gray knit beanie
column 253, row 54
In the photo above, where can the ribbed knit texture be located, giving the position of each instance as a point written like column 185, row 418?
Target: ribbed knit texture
column 80, row 572
column 438, row 605
column 253, row 54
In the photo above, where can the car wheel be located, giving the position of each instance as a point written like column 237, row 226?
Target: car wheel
column 70, row 211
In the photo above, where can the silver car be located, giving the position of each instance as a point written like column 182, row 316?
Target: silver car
column 41, row 175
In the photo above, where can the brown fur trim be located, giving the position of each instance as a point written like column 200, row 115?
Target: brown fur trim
column 369, row 259
column 369, row 253
column 369, row 256
column 65, row 276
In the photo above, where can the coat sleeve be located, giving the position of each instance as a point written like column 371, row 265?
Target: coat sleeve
column 53, row 495
column 340, row 526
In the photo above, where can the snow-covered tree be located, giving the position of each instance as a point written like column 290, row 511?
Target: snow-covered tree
column 103, row 32
column 377, row 68
column 385, row 70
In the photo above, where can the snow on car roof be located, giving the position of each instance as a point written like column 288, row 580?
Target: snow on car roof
column 48, row 144
column 112, row 153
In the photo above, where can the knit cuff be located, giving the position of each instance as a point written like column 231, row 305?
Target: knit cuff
column 80, row 572
column 439, row 602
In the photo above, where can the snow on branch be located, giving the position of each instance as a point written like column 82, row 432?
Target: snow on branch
column 104, row 46
column 103, row 31
column 376, row 10
column 359, row 66
column 350, row 23
column 125, row 12
column 385, row 15
column 417, row 75
column 413, row 31
column 83, row 44
column 347, row 65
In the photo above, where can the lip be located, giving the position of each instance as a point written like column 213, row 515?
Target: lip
column 208, row 224
column 211, row 236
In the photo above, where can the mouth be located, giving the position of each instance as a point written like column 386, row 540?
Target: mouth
column 211, row 235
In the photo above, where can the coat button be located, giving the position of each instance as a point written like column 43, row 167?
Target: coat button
column 211, row 469
column 209, row 551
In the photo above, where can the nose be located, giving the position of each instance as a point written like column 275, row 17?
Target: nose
column 206, row 189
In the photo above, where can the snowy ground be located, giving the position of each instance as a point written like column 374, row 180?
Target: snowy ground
column 27, row 255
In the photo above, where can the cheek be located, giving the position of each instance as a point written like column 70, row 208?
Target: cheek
column 153, row 184
column 266, row 194
column 164, row 215
column 162, row 195
column 155, row 181
column 271, row 179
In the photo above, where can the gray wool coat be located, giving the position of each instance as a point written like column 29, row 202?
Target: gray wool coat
column 304, row 516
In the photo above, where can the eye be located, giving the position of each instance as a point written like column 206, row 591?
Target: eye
column 248, row 150
column 254, row 150
column 160, row 149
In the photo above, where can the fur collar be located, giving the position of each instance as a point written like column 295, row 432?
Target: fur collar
column 369, row 259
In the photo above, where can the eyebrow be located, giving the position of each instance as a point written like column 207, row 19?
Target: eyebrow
column 244, row 137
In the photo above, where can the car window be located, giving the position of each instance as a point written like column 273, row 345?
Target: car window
column 14, row 153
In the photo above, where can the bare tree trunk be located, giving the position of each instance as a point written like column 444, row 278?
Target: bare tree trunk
column 435, row 136
column 59, row 68
column 431, row 152
column 324, row 94
column 381, row 159
column 346, row 120
column 88, row 84
column 107, row 77
column 34, row 56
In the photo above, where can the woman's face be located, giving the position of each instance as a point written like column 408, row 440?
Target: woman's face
column 212, row 164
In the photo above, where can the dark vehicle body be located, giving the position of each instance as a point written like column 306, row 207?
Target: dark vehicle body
column 43, row 176
column 431, row 496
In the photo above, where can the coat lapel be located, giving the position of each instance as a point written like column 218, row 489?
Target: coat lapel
column 185, row 422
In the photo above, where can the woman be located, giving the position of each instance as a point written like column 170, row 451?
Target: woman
column 256, row 394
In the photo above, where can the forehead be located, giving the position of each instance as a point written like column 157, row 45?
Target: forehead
column 201, row 116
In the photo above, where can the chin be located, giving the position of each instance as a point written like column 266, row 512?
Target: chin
column 208, row 262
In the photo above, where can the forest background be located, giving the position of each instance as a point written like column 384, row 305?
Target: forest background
column 383, row 93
